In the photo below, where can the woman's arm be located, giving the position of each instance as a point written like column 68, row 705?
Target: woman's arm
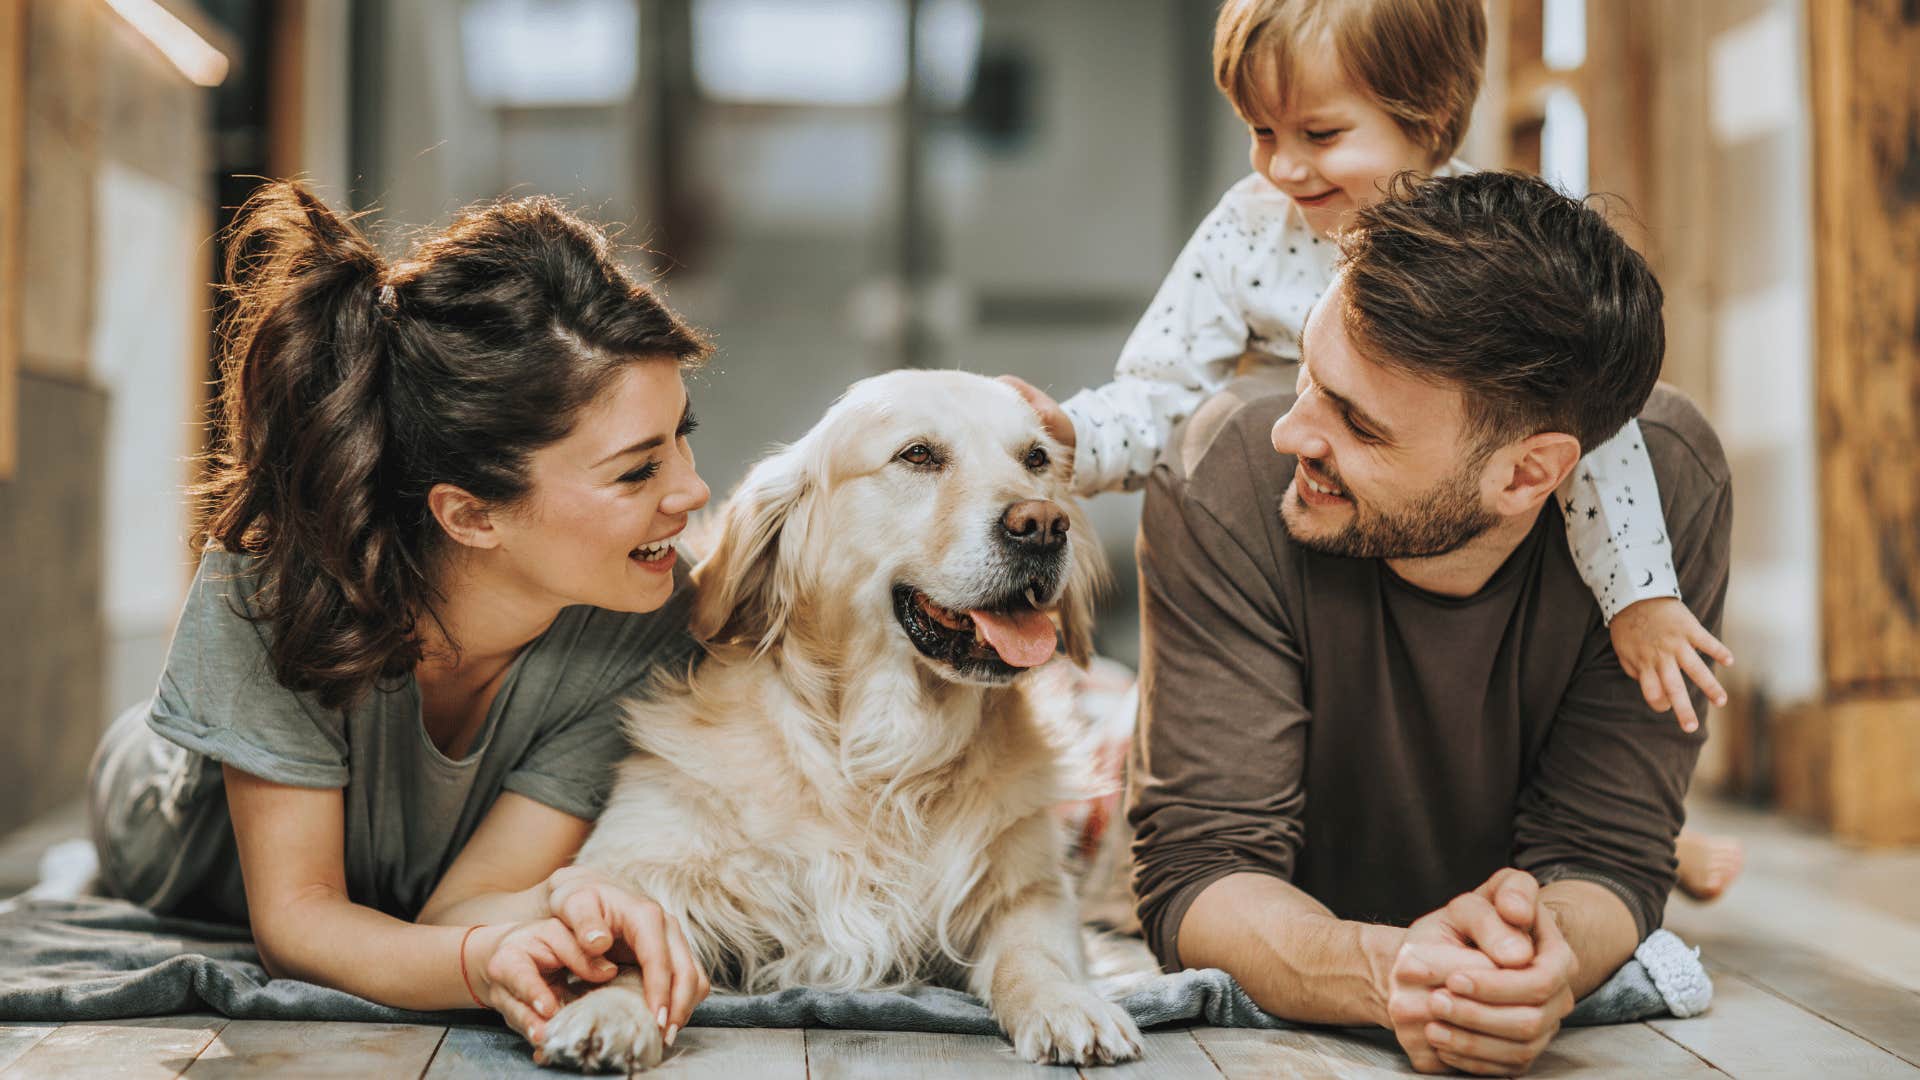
column 292, row 857
column 516, row 867
column 502, row 874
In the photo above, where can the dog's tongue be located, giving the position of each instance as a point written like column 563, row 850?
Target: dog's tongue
column 1024, row 639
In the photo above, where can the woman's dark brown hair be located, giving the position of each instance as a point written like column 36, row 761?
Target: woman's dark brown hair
column 351, row 388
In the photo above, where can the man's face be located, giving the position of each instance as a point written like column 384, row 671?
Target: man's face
column 1386, row 466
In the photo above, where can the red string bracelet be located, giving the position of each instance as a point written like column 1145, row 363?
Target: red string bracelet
column 464, row 981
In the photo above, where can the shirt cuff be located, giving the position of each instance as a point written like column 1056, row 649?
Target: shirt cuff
column 1644, row 921
column 1163, row 934
column 1087, row 480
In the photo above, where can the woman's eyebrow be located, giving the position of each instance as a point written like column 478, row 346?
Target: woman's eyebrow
column 650, row 442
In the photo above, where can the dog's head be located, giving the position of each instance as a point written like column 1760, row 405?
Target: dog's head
column 929, row 508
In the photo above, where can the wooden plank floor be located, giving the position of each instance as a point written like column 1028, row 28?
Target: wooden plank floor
column 1815, row 957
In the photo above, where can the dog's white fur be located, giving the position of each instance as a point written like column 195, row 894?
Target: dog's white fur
column 817, row 803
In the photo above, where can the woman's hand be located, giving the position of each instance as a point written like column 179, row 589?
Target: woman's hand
column 610, row 922
column 520, row 971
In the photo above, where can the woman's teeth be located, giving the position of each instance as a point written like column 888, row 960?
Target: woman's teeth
column 650, row 552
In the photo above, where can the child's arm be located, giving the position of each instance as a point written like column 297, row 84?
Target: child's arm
column 1619, row 543
column 1183, row 349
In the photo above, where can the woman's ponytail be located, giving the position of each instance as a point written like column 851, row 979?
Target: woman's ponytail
column 299, row 480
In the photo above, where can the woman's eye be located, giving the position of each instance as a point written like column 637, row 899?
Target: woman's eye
column 1323, row 136
column 642, row 474
column 917, row 454
column 1037, row 458
column 1262, row 133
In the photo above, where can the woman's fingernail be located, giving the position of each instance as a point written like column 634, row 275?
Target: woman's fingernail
column 546, row 1007
column 596, row 937
column 1460, row 984
column 608, row 967
column 1442, row 1004
column 1440, row 1036
column 672, row 1033
column 661, row 1016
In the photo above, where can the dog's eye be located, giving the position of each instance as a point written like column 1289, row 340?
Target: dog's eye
column 1037, row 458
column 917, row 454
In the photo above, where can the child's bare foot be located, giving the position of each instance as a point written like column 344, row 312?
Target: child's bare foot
column 1708, row 864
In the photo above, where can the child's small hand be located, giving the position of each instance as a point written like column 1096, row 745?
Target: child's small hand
column 1656, row 641
column 1058, row 423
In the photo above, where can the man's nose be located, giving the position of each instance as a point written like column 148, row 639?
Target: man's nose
column 1034, row 526
column 1293, row 434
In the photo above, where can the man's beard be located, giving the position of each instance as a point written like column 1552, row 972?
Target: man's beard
column 1444, row 520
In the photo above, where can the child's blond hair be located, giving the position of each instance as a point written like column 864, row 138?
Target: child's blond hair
column 1419, row 60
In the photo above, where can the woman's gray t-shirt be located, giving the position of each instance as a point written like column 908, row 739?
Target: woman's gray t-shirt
column 553, row 734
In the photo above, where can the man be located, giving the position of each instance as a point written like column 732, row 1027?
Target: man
column 1389, row 770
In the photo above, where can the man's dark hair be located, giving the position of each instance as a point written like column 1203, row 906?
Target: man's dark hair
column 1525, row 299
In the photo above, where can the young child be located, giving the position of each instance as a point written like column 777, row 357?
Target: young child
column 1338, row 98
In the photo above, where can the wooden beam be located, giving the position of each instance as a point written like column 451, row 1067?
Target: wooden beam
column 1866, row 128
column 13, row 137
column 1852, row 766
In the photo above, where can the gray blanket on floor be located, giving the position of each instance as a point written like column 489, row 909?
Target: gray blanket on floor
column 93, row 959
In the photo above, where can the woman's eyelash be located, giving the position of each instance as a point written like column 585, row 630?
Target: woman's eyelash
column 645, row 472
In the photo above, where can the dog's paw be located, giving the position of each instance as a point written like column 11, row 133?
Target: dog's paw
column 606, row 1030
column 1068, row 1024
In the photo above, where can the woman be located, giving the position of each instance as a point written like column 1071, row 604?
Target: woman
column 438, row 556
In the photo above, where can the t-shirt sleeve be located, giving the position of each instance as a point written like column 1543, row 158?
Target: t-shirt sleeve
column 1219, row 761
column 1606, row 799
column 1184, row 348
column 604, row 660
column 218, row 696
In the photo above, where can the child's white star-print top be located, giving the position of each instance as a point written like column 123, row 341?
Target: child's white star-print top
column 1242, row 287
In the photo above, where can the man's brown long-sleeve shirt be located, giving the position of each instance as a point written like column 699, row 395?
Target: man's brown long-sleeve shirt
column 1385, row 749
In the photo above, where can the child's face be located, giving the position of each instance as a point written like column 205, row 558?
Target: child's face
column 1332, row 149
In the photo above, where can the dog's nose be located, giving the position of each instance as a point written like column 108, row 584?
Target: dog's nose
column 1035, row 525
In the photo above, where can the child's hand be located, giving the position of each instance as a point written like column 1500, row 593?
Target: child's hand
column 1656, row 640
column 612, row 923
column 1058, row 423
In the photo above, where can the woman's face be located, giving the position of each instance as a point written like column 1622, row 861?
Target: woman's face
column 609, row 499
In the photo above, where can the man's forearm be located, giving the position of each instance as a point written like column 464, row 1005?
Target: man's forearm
column 1598, row 928
column 1290, row 954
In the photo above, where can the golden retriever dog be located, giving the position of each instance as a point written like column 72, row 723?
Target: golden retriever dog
column 852, row 789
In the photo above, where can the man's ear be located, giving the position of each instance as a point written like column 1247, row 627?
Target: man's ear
column 464, row 518
column 1526, row 473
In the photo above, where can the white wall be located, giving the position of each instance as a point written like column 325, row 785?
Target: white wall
column 1763, row 395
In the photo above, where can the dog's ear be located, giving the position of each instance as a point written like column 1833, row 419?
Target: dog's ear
column 739, row 592
column 1086, row 580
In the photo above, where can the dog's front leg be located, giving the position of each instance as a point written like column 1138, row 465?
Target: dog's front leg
column 1031, row 973
column 606, row 1029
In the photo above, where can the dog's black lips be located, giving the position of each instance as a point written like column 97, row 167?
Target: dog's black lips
column 957, row 649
